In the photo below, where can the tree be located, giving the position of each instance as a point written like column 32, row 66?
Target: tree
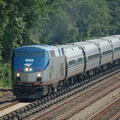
column 92, row 18
column 55, row 26
column 3, row 23
column 12, row 33
column 25, row 22
column 20, row 20
column 0, row 52
column 114, row 6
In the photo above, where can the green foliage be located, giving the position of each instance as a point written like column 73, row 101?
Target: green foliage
column 5, row 75
column 0, row 52
column 93, row 18
column 55, row 21
column 56, row 26
column 3, row 17
column 114, row 7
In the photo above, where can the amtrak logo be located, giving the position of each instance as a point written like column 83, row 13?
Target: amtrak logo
column 28, row 64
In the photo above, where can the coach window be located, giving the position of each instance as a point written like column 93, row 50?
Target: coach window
column 90, row 57
column 93, row 56
column 71, row 62
column 117, row 49
column 79, row 60
column 107, row 52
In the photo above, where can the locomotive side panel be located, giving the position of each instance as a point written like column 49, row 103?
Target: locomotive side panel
column 56, row 69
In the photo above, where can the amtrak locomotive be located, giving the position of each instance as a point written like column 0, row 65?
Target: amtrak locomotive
column 39, row 70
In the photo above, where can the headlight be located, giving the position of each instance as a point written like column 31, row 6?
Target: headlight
column 30, row 69
column 18, row 74
column 38, row 74
column 26, row 69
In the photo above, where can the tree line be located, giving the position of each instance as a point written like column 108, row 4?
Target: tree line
column 25, row 22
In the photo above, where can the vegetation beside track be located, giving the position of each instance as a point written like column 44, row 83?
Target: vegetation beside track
column 5, row 75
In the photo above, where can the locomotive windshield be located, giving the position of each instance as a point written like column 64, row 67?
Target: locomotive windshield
column 36, row 59
column 37, row 54
column 29, row 54
column 21, row 54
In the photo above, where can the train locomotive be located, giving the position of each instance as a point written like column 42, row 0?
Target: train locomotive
column 39, row 70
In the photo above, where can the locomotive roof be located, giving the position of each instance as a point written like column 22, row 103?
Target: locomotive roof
column 44, row 47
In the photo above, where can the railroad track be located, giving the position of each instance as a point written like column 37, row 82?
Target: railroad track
column 79, row 108
column 10, row 107
column 110, row 112
column 116, row 117
column 76, row 103
column 48, row 101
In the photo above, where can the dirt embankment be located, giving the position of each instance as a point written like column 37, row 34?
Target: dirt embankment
column 6, row 94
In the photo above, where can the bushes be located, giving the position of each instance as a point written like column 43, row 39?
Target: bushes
column 5, row 75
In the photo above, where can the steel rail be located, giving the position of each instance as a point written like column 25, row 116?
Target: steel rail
column 72, row 99
column 116, row 117
column 87, row 103
column 8, row 105
column 99, row 113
